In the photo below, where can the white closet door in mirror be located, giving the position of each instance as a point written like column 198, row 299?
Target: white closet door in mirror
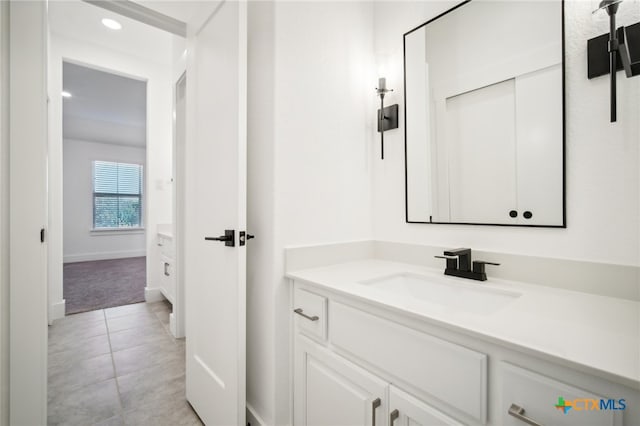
column 480, row 133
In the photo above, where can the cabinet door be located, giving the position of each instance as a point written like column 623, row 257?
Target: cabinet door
column 481, row 154
column 331, row 391
column 539, row 151
column 167, row 279
column 406, row 410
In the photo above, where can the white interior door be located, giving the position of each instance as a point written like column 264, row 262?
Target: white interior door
column 539, row 151
column 481, row 154
column 216, row 201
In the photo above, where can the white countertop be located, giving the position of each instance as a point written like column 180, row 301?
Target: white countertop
column 166, row 234
column 165, row 230
column 595, row 333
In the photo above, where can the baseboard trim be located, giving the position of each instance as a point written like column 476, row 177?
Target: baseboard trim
column 153, row 295
column 253, row 418
column 172, row 325
column 57, row 311
column 86, row 257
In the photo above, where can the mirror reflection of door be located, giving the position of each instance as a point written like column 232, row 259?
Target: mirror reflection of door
column 485, row 130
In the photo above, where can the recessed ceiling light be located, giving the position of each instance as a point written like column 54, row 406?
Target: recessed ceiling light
column 66, row 94
column 111, row 24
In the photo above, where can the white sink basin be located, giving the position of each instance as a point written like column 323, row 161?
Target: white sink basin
column 473, row 297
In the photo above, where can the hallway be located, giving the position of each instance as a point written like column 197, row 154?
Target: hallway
column 117, row 366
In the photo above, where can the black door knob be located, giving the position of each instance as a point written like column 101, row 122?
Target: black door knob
column 527, row 215
column 229, row 238
column 243, row 237
column 513, row 213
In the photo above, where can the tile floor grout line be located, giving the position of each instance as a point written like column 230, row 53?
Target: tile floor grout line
column 113, row 364
column 137, row 409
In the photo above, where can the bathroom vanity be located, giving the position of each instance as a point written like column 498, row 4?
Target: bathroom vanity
column 167, row 262
column 167, row 272
column 378, row 342
column 381, row 336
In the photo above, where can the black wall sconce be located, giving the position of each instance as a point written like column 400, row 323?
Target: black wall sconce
column 617, row 50
column 387, row 117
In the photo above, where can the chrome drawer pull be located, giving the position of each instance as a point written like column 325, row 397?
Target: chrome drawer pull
column 374, row 404
column 393, row 416
column 299, row 312
column 518, row 412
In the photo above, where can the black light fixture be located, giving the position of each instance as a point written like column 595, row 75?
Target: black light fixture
column 387, row 117
column 619, row 54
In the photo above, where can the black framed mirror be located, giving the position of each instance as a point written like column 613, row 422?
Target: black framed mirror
column 484, row 115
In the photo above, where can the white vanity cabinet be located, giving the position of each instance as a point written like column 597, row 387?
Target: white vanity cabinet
column 331, row 389
column 167, row 266
column 359, row 363
column 407, row 410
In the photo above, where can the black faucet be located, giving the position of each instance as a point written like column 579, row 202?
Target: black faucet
column 459, row 264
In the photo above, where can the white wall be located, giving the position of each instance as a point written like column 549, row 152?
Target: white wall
column 602, row 159
column 310, row 174
column 4, row 214
column 311, row 97
column 261, row 199
column 159, row 145
column 80, row 243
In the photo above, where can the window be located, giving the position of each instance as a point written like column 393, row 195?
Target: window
column 117, row 195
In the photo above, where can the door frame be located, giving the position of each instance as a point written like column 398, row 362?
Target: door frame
column 29, row 305
column 179, row 167
column 28, row 121
column 55, row 144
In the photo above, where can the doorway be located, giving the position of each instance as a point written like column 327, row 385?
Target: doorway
column 112, row 228
column 124, row 112
column 104, row 155
column 217, row 52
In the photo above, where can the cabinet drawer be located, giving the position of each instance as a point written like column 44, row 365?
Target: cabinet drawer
column 451, row 373
column 538, row 395
column 310, row 313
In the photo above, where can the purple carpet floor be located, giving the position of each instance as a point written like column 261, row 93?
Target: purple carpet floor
column 103, row 284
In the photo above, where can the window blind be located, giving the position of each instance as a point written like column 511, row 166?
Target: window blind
column 117, row 195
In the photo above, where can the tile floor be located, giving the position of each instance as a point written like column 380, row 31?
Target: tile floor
column 117, row 366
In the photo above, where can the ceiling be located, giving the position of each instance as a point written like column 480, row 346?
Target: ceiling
column 76, row 19
column 183, row 11
column 104, row 107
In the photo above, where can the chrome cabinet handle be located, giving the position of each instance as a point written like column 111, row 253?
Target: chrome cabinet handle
column 393, row 416
column 374, row 404
column 518, row 412
column 166, row 269
column 301, row 313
